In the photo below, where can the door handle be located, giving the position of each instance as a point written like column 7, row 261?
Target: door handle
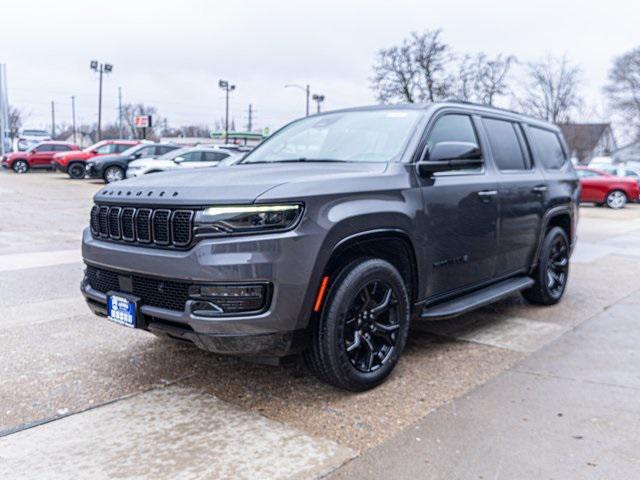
column 539, row 189
column 487, row 193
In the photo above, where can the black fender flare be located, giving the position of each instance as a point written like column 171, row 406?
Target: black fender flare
column 544, row 223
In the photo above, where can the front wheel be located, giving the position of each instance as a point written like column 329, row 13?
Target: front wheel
column 113, row 174
column 363, row 326
column 552, row 272
column 616, row 199
column 20, row 166
column 77, row 170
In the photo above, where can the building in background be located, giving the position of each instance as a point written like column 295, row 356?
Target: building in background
column 588, row 140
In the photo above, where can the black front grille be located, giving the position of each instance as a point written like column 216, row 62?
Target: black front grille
column 167, row 294
column 159, row 227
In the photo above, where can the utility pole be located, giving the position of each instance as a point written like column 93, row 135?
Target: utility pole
column 224, row 85
column 250, row 119
column 73, row 118
column 100, row 69
column 53, row 120
column 120, row 112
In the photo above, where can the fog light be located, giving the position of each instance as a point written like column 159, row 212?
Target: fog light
column 231, row 298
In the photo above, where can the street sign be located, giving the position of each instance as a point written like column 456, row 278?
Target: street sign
column 142, row 121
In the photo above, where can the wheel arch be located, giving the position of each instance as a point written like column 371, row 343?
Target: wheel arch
column 561, row 216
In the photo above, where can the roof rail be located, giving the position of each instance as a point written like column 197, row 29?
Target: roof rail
column 483, row 105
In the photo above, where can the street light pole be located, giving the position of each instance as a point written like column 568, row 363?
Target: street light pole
column 53, row 120
column 73, row 118
column 227, row 87
column 307, row 90
column 100, row 69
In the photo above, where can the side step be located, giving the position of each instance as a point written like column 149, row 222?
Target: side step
column 478, row 298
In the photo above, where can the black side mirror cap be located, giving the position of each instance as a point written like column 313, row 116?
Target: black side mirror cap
column 450, row 156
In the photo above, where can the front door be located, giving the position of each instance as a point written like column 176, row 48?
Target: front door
column 42, row 156
column 460, row 216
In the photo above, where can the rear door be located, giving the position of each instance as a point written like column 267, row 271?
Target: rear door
column 521, row 192
column 460, row 215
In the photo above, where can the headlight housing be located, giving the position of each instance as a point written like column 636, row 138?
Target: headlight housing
column 231, row 219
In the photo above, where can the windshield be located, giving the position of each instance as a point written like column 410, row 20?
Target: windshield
column 357, row 136
column 95, row 146
column 173, row 153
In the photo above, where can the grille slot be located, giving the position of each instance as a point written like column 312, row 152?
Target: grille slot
column 114, row 222
column 103, row 221
column 95, row 223
column 181, row 227
column 143, row 225
column 161, row 231
column 128, row 230
column 160, row 227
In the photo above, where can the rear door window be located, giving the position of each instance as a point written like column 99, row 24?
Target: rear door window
column 119, row 148
column 505, row 145
column 547, row 148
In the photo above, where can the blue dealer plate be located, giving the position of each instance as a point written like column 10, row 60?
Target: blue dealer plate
column 121, row 310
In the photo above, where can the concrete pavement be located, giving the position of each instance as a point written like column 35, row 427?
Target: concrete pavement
column 569, row 411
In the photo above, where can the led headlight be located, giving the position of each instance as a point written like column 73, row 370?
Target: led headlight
column 247, row 218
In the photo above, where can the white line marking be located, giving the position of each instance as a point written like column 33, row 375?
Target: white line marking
column 167, row 433
column 42, row 312
column 21, row 261
column 518, row 334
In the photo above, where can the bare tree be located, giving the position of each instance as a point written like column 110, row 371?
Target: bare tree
column 16, row 118
column 431, row 56
column 623, row 90
column 130, row 110
column 552, row 89
column 491, row 77
column 395, row 74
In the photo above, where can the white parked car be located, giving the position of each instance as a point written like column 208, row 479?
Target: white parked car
column 30, row 137
column 190, row 157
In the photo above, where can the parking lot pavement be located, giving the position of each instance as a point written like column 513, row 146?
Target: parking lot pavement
column 64, row 369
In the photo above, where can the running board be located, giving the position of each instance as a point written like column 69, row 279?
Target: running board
column 473, row 300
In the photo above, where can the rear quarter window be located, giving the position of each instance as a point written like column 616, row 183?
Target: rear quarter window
column 547, row 148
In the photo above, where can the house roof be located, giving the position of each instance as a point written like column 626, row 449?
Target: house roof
column 583, row 136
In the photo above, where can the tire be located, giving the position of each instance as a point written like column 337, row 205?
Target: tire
column 113, row 174
column 552, row 272
column 77, row 170
column 356, row 342
column 20, row 166
column 616, row 199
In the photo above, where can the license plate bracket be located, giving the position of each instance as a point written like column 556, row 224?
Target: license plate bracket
column 122, row 309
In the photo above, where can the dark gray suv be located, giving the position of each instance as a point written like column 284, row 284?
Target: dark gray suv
column 338, row 230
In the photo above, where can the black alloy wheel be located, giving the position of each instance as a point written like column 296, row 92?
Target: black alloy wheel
column 371, row 330
column 363, row 325
column 77, row 170
column 552, row 270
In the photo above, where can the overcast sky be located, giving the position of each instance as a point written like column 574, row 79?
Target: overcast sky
column 170, row 54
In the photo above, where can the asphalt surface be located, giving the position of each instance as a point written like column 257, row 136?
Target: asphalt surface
column 69, row 380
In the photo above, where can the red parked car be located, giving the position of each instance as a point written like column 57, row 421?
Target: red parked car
column 603, row 188
column 74, row 163
column 38, row 156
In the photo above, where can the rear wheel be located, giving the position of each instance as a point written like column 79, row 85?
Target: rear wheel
column 113, row 174
column 76, row 170
column 363, row 327
column 552, row 272
column 20, row 166
column 616, row 199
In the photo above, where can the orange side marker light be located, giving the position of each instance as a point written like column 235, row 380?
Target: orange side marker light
column 321, row 291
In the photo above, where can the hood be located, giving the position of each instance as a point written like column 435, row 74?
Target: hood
column 108, row 158
column 74, row 154
column 237, row 184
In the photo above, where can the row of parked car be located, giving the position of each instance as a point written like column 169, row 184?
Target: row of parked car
column 606, row 183
column 113, row 160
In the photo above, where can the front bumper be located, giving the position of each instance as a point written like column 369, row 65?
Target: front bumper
column 284, row 261
column 58, row 167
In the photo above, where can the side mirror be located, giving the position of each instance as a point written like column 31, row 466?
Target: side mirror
column 178, row 159
column 450, row 156
column 137, row 155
